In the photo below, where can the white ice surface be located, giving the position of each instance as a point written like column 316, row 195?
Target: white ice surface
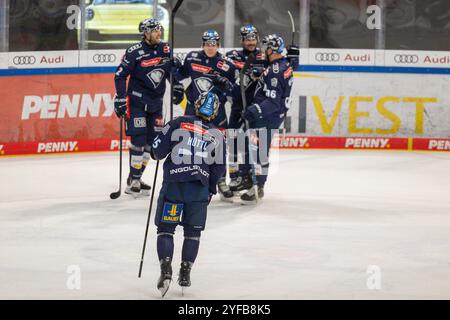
column 327, row 216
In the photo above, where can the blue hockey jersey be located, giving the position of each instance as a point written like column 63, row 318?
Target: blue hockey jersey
column 148, row 68
column 273, row 90
column 238, row 58
column 197, row 151
column 201, row 70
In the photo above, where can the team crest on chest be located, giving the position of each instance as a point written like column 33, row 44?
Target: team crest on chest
column 156, row 77
column 203, row 84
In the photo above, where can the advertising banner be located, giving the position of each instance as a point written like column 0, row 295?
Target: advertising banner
column 370, row 105
column 54, row 113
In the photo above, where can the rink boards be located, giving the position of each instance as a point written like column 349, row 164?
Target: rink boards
column 57, row 102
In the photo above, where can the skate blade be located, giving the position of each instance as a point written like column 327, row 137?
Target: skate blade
column 164, row 288
column 224, row 199
column 139, row 195
column 249, row 203
column 145, row 193
column 183, row 291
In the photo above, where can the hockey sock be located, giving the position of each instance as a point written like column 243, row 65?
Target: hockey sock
column 146, row 158
column 191, row 244
column 136, row 161
column 165, row 245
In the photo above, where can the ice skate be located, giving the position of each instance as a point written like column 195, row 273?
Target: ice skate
column 184, row 277
column 137, row 188
column 250, row 198
column 145, row 188
column 133, row 187
column 225, row 193
column 166, row 276
column 241, row 183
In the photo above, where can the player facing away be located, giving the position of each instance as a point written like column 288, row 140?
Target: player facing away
column 268, row 108
column 209, row 69
column 239, row 174
column 147, row 65
column 196, row 161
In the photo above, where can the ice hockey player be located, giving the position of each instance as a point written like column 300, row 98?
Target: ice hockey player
column 197, row 159
column 239, row 174
column 268, row 107
column 147, row 65
column 208, row 69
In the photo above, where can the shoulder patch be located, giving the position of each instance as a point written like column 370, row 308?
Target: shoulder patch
column 223, row 65
column 288, row 73
column 261, row 56
column 135, row 47
column 166, row 48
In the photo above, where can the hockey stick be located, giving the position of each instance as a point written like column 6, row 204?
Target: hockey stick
column 293, row 27
column 248, row 62
column 292, row 43
column 172, row 18
column 116, row 194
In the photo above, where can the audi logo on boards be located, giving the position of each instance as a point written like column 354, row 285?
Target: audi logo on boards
column 327, row 57
column 104, row 58
column 406, row 58
column 24, row 60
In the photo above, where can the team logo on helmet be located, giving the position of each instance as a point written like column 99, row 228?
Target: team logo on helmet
column 156, row 77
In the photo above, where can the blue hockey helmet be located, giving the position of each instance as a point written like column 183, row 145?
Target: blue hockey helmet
column 249, row 32
column 274, row 42
column 211, row 36
column 149, row 25
column 207, row 106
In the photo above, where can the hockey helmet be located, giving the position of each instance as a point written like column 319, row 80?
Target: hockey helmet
column 274, row 42
column 211, row 37
column 249, row 32
column 207, row 106
column 149, row 25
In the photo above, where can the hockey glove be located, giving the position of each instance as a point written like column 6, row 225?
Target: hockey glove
column 221, row 83
column 178, row 93
column 253, row 113
column 120, row 106
column 256, row 72
column 293, row 53
column 175, row 64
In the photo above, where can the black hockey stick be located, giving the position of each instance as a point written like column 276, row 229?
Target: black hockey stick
column 148, row 219
column 172, row 18
column 248, row 62
column 116, row 194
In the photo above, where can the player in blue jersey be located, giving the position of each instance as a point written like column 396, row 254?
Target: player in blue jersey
column 146, row 65
column 239, row 174
column 268, row 108
column 208, row 69
column 196, row 161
